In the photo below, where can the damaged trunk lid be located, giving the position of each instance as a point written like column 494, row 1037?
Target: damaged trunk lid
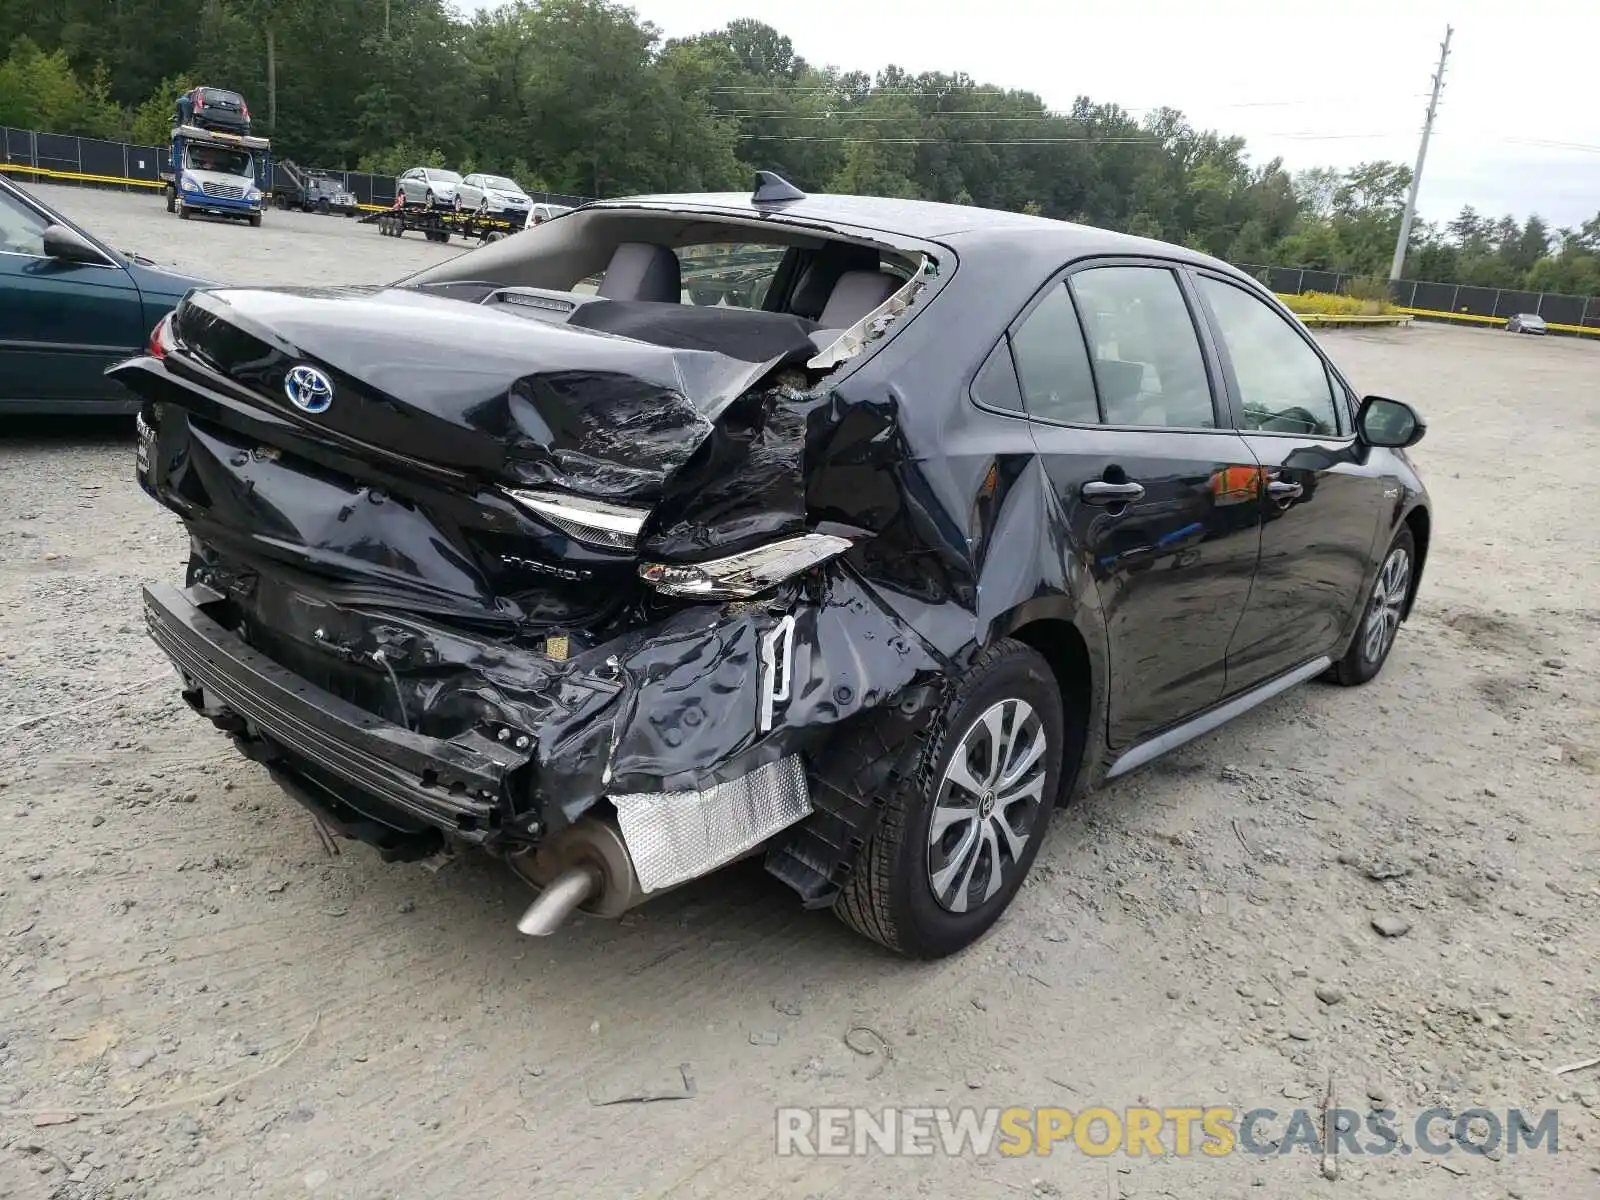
column 445, row 457
column 425, row 380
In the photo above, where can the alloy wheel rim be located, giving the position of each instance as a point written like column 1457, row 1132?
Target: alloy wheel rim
column 987, row 806
column 1388, row 599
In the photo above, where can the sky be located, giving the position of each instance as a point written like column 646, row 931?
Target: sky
column 1330, row 84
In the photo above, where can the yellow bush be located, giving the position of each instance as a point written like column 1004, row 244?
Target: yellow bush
column 1327, row 304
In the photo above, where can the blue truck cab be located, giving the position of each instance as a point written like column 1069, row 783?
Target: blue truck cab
column 225, row 174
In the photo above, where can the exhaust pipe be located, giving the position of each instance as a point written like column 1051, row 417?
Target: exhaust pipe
column 585, row 866
column 559, row 900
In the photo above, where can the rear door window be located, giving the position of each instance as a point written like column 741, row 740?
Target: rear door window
column 1052, row 364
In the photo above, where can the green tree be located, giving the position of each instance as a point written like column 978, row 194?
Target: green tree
column 580, row 96
column 41, row 91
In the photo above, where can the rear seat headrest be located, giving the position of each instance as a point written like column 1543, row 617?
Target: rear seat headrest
column 855, row 295
column 640, row 271
column 822, row 273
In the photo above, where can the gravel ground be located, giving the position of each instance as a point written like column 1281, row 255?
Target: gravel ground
column 230, row 1010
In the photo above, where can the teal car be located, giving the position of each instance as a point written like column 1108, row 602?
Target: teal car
column 70, row 306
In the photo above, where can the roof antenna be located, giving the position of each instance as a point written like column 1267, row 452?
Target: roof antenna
column 772, row 188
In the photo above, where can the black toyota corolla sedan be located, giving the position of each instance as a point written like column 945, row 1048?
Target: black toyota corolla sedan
column 564, row 551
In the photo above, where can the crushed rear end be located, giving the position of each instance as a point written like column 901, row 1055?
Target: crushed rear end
column 460, row 577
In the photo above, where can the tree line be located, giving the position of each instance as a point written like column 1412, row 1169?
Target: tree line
column 581, row 97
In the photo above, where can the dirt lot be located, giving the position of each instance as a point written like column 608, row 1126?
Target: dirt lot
column 233, row 1011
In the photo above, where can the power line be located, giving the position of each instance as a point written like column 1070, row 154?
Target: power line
column 1517, row 141
column 1101, row 141
column 976, row 114
column 874, row 91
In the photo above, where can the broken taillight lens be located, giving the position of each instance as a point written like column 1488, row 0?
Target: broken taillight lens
column 161, row 337
column 741, row 576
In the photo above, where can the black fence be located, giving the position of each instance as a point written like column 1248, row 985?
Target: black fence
column 1461, row 301
column 90, row 162
column 85, row 160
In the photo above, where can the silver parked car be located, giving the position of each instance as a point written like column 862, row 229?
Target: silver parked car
column 1527, row 323
column 428, row 187
column 493, row 196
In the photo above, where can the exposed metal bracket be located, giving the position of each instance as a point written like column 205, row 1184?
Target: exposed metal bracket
column 777, row 668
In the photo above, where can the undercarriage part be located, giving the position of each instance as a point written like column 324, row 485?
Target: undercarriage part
column 848, row 784
column 567, row 891
column 676, row 836
column 591, row 848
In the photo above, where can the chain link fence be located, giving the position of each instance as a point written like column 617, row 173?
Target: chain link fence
column 91, row 162
column 1462, row 301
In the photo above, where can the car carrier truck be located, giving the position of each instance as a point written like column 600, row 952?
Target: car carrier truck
column 225, row 174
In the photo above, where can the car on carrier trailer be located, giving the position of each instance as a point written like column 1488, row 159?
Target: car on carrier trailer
column 531, row 553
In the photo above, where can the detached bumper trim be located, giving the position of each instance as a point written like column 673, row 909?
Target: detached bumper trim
column 444, row 783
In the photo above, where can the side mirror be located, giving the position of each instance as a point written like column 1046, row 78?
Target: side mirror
column 1392, row 423
column 69, row 246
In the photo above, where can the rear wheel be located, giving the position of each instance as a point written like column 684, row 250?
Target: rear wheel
column 1380, row 620
column 172, row 200
column 961, row 830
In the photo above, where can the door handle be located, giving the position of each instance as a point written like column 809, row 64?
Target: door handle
column 1282, row 489
column 1099, row 491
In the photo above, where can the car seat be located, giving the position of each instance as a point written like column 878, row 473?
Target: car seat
column 641, row 271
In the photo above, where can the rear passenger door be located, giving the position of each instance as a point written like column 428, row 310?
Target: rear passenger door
column 1320, row 508
column 1127, row 411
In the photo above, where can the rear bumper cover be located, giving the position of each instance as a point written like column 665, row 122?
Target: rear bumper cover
column 678, row 742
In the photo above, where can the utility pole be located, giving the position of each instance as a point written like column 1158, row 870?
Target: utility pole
column 1404, row 240
column 272, row 79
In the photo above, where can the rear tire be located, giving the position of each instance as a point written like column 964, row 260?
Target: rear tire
column 172, row 200
column 995, row 752
column 1381, row 614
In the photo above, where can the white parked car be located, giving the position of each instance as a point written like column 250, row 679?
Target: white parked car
column 428, row 187
column 493, row 196
column 1527, row 323
column 538, row 214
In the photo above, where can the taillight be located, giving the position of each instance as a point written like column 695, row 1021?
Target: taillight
column 161, row 337
column 245, row 109
column 199, row 101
